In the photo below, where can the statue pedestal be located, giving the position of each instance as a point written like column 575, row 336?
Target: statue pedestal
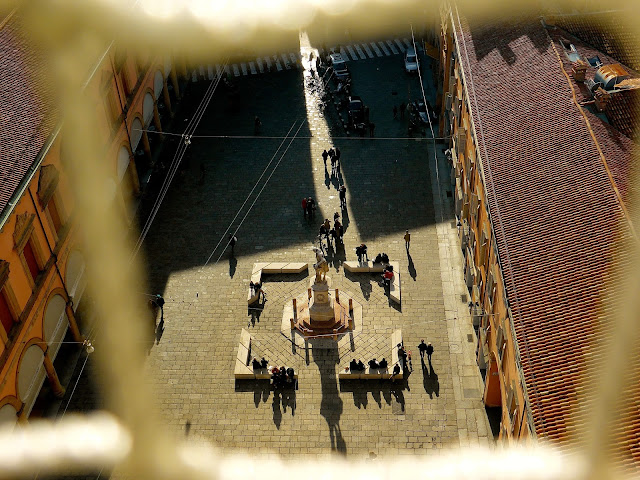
column 321, row 309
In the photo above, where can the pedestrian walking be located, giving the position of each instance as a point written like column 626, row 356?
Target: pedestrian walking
column 331, row 152
column 402, row 356
column 422, row 348
column 407, row 239
column 429, row 352
column 409, row 359
column 343, row 196
column 395, row 112
column 304, row 207
column 372, row 127
column 311, row 207
column 403, row 107
column 325, row 154
column 232, row 241
column 337, row 154
column 333, row 165
column 337, row 167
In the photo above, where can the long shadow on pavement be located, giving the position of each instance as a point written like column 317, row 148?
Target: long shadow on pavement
column 331, row 404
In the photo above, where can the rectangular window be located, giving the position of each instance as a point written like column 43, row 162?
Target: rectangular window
column 55, row 216
column 125, row 83
column 112, row 107
column 30, row 258
column 6, row 317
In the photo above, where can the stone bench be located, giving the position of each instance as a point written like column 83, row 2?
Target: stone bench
column 394, row 288
column 272, row 268
column 242, row 369
column 364, row 267
column 370, row 267
column 396, row 339
column 377, row 373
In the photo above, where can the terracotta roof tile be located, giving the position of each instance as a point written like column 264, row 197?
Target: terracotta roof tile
column 609, row 32
column 554, row 210
column 26, row 106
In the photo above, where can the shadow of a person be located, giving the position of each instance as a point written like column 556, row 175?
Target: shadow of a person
column 327, row 178
column 430, row 381
column 377, row 397
column 289, row 400
column 360, row 399
column 277, row 413
column 345, row 220
column 232, row 266
column 412, row 267
column 399, row 396
column 434, row 381
column 366, row 290
column 387, row 396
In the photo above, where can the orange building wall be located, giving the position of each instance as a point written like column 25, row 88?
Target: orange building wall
column 102, row 89
column 502, row 365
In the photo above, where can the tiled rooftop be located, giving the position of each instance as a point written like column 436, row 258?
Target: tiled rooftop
column 555, row 212
column 26, row 101
column 609, row 32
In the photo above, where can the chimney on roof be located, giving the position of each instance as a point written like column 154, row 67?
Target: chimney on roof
column 579, row 70
column 602, row 98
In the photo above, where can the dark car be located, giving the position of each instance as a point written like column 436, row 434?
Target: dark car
column 356, row 113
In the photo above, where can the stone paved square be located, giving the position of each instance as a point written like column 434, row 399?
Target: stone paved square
column 256, row 183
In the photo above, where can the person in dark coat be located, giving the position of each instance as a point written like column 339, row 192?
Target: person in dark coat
column 429, row 352
column 423, row 349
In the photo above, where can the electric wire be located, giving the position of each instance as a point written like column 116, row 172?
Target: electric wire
column 177, row 159
column 279, row 137
column 249, row 194
column 263, row 187
column 433, row 136
column 175, row 163
column 324, row 84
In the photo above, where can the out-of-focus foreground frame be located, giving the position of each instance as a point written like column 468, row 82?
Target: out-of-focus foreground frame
column 78, row 33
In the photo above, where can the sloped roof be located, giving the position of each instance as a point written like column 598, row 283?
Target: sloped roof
column 622, row 111
column 26, row 106
column 555, row 212
column 610, row 32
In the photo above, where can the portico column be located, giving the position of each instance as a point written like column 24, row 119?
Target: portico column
column 73, row 325
column 146, row 146
column 167, row 97
column 133, row 175
column 174, row 82
column 22, row 416
column 156, row 119
column 52, row 376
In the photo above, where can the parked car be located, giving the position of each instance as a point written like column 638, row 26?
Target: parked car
column 340, row 69
column 356, row 113
column 419, row 109
column 411, row 61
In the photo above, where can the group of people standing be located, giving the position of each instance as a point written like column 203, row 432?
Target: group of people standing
column 308, row 207
column 331, row 234
column 334, row 155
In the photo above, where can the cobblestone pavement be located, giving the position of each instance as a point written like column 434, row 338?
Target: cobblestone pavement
column 391, row 186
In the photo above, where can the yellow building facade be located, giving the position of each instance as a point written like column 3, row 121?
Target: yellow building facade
column 42, row 269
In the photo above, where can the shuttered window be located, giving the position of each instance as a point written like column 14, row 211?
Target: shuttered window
column 32, row 263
